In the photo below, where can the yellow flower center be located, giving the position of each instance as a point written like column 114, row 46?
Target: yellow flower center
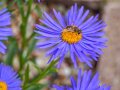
column 71, row 34
column 3, row 86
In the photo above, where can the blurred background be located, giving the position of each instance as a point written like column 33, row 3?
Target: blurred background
column 109, row 63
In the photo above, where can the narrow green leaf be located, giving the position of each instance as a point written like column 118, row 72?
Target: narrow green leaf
column 29, row 8
column 27, row 74
column 36, row 87
column 12, row 49
column 38, row 10
column 31, row 47
column 45, row 72
column 21, row 8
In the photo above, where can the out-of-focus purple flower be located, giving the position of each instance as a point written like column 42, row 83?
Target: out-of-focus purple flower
column 85, row 82
column 73, row 33
column 5, row 30
column 39, row 0
column 9, row 79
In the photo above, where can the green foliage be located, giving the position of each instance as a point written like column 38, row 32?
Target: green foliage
column 36, row 86
column 12, row 50
column 24, row 49
column 33, row 83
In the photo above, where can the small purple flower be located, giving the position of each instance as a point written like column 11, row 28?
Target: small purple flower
column 9, row 79
column 73, row 33
column 5, row 30
column 85, row 82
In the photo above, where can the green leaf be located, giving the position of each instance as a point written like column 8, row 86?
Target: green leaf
column 12, row 49
column 21, row 8
column 31, row 47
column 36, row 87
column 43, row 74
column 29, row 8
column 36, row 66
column 27, row 74
column 38, row 10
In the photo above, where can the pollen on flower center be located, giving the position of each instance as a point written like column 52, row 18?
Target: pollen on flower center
column 3, row 86
column 71, row 34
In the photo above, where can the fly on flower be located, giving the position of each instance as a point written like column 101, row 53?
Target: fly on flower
column 85, row 82
column 73, row 33
column 9, row 79
column 5, row 30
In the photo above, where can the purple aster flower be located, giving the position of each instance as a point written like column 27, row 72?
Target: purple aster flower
column 73, row 33
column 9, row 79
column 5, row 30
column 85, row 82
